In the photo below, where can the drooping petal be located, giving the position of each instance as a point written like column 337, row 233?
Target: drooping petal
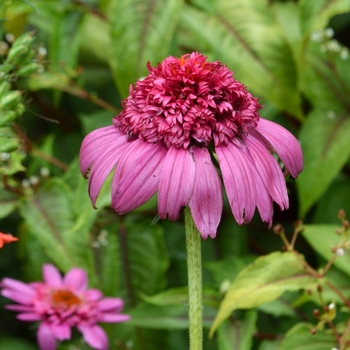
column 76, row 279
column 176, row 182
column 140, row 180
column 24, row 308
column 238, row 176
column 110, row 304
column 206, row 202
column 46, row 340
column 96, row 143
column 102, row 167
column 284, row 143
column 51, row 275
column 95, row 336
column 61, row 331
column 269, row 171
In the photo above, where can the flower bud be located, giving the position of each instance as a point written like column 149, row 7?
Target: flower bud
column 8, row 144
column 16, row 52
column 10, row 100
column 28, row 69
column 4, row 87
column 7, row 117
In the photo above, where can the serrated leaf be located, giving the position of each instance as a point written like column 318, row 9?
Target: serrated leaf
column 322, row 238
column 264, row 280
column 300, row 338
column 255, row 49
column 326, row 149
column 49, row 216
column 316, row 14
column 237, row 334
column 141, row 31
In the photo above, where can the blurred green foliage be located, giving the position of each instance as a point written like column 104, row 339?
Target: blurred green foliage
column 65, row 66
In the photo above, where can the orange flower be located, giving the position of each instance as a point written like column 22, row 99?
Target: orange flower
column 6, row 238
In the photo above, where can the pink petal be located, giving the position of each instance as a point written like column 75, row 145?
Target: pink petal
column 111, row 304
column 61, row 331
column 284, row 143
column 94, row 144
column 238, row 175
column 24, row 308
column 102, row 167
column 95, row 336
column 51, row 275
column 140, row 181
column 46, row 340
column 176, row 182
column 29, row 316
column 269, row 171
column 93, row 294
column 113, row 318
column 76, row 279
column 17, row 291
column 206, row 202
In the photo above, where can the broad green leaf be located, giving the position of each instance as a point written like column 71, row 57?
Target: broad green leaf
column 264, row 280
column 49, row 216
column 300, row 338
column 269, row 345
column 255, row 49
column 237, row 334
column 144, row 256
column 336, row 197
column 141, row 32
column 316, row 14
column 325, row 77
column 278, row 307
column 324, row 140
column 322, row 238
column 65, row 38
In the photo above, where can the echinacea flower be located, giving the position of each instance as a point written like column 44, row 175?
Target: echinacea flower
column 181, row 126
column 61, row 303
column 6, row 238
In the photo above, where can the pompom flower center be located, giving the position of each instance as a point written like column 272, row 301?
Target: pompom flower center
column 188, row 101
column 64, row 298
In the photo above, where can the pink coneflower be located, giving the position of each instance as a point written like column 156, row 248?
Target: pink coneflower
column 62, row 303
column 181, row 126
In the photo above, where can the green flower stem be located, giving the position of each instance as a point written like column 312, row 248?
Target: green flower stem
column 194, row 270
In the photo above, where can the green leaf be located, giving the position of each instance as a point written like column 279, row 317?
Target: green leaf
column 269, row 345
column 255, row 49
column 336, row 197
column 144, row 257
column 12, row 343
column 326, row 149
column 322, row 238
column 49, row 216
column 316, row 14
column 264, row 280
column 141, row 31
column 8, row 202
column 238, row 334
column 300, row 338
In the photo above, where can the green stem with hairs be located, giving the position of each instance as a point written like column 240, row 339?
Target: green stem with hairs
column 194, row 271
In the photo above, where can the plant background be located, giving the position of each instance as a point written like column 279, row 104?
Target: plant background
column 72, row 71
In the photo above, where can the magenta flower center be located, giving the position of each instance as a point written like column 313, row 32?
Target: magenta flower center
column 186, row 101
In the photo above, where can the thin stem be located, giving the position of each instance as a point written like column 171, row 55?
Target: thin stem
column 194, row 270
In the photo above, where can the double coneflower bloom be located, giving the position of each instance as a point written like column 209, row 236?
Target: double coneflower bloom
column 185, row 129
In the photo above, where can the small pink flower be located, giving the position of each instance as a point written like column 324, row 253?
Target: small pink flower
column 187, row 122
column 61, row 303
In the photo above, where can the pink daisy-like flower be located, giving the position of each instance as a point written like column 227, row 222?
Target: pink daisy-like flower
column 187, row 122
column 61, row 303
